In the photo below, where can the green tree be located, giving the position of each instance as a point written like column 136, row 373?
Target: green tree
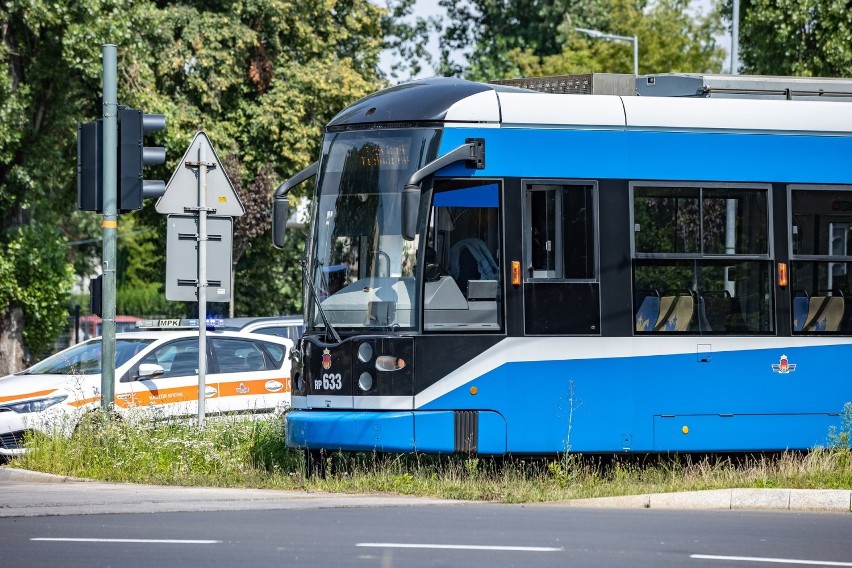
column 811, row 38
column 406, row 39
column 487, row 31
column 261, row 77
column 274, row 285
column 43, row 93
column 671, row 40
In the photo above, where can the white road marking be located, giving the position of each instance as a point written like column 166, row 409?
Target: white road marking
column 142, row 540
column 460, row 547
column 772, row 560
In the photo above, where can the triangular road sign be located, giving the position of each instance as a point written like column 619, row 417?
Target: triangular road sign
column 182, row 189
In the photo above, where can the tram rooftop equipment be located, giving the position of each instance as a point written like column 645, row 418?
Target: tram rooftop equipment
column 698, row 85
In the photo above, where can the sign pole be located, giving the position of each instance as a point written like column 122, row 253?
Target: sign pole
column 202, row 282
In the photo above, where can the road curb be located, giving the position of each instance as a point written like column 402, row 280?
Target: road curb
column 15, row 474
column 831, row 500
column 828, row 500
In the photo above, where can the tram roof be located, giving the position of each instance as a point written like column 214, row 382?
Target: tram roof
column 460, row 102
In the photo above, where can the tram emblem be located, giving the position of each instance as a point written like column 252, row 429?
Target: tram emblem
column 326, row 359
column 783, row 366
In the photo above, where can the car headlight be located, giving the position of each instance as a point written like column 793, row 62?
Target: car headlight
column 37, row 405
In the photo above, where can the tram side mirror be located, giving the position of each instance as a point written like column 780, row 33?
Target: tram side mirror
column 410, row 210
column 280, row 214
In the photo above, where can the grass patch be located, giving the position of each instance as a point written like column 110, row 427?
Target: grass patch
column 241, row 452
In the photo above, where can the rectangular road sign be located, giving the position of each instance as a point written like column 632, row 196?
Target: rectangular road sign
column 182, row 258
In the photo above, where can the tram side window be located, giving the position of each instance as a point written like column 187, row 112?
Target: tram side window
column 462, row 271
column 701, row 260
column 560, row 239
column 821, row 264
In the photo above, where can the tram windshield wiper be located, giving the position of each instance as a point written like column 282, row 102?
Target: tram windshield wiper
column 306, row 274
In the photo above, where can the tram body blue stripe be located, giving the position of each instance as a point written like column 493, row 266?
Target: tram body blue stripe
column 606, row 154
column 618, row 404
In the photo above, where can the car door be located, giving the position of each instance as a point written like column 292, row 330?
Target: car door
column 252, row 375
column 175, row 391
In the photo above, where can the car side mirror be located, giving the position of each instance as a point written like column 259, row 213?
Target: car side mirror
column 149, row 370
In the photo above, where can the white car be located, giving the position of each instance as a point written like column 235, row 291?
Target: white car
column 282, row 326
column 157, row 370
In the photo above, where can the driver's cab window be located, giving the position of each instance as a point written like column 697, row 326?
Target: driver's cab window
column 462, row 265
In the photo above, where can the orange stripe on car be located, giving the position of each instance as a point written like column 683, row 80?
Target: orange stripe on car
column 190, row 393
column 159, row 396
column 254, row 387
column 26, row 396
column 83, row 402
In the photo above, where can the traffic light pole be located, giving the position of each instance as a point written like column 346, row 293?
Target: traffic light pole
column 110, row 224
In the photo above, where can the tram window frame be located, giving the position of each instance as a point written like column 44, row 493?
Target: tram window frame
column 703, row 284
column 820, row 303
column 454, row 299
column 591, row 221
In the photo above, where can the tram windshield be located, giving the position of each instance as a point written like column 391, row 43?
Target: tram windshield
column 362, row 269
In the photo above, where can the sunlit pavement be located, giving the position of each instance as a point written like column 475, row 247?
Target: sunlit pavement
column 29, row 493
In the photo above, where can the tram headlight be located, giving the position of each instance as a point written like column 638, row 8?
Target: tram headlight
column 365, row 352
column 365, row 381
column 389, row 363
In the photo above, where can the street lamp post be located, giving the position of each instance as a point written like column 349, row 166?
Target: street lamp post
column 602, row 35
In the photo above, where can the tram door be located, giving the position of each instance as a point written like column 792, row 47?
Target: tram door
column 561, row 286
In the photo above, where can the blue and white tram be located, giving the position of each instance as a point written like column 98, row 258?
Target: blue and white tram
column 501, row 271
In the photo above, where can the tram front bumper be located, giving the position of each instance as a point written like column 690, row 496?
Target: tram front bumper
column 351, row 431
column 428, row 431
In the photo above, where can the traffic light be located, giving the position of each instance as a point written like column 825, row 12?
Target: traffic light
column 96, row 296
column 89, row 166
column 133, row 156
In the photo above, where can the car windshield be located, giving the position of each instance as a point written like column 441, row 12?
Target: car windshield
column 85, row 358
column 362, row 268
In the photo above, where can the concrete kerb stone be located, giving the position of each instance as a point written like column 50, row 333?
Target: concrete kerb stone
column 760, row 499
column 712, row 499
column 622, row 502
column 830, row 500
column 24, row 475
column 838, row 500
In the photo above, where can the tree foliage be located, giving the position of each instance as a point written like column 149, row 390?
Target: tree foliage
column 407, row 38
column 671, row 40
column 795, row 37
column 523, row 38
column 36, row 275
column 489, row 30
column 261, row 77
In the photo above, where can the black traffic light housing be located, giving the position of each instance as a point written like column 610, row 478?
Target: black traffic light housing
column 132, row 157
column 89, row 166
column 96, row 295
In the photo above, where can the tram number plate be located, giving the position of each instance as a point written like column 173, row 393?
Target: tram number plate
column 329, row 381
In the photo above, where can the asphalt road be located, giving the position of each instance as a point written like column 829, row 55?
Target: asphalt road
column 52, row 521
column 474, row 535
